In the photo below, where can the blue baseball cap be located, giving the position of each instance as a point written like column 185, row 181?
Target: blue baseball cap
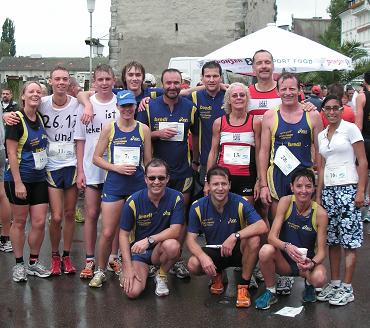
column 125, row 97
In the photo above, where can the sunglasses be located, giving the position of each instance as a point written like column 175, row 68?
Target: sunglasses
column 153, row 177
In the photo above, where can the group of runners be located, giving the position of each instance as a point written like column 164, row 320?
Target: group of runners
column 253, row 151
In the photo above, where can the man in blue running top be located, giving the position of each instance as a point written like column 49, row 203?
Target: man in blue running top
column 153, row 218
column 209, row 103
column 232, row 229
column 297, row 241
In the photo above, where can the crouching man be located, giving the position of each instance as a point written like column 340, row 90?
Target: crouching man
column 231, row 227
column 154, row 216
column 296, row 242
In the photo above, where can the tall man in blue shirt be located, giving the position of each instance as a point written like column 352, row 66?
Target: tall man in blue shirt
column 232, row 229
column 153, row 217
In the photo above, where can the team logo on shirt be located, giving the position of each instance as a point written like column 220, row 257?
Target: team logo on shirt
column 183, row 120
column 232, row 221
column 307, row 228
column 166, row 213
column 301, row 131
column 133, row 138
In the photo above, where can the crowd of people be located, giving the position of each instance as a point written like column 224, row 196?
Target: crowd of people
column 283, row 178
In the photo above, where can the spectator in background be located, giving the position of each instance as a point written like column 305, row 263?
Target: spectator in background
column 7, row 102
column 186, row 81
column 351, row 94
column 347, row 113
column 301, row 95
column 150, row 81
column 74, row 87
column 314, row 97
column 324, row 91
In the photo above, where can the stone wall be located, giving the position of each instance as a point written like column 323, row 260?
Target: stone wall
column 152, row 32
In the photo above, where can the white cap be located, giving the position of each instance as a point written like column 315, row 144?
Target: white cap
column 150, row 78
column 185, row 77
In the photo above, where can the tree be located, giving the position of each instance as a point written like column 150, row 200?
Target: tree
column 332, row 39
column 7, row 41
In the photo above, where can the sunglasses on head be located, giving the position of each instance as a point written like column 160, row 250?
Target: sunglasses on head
column 153, row 177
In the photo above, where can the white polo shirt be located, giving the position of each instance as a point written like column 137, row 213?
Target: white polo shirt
column 340, row 159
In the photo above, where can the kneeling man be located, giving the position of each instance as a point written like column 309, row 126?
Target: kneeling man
column 232, row 229
column 154, row 216
column 296, row 242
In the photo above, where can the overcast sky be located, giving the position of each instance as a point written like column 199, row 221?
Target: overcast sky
column 59, row 28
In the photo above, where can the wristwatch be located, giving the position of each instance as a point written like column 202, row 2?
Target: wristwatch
column 237, row 235
column 151, row 241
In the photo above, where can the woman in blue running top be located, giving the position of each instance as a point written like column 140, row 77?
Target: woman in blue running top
column 25, row 182
column 128, row 146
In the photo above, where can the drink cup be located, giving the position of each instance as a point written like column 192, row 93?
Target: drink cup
column 303, row 251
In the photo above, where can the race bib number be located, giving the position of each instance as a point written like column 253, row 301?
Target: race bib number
column 237, row 155
column 336, row 174
column 179, row 127
column 40, row 158
column 285, row 160
column 126, row 155
column 61, row 150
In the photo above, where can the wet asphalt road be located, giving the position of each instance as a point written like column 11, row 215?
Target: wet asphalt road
column 67, row 301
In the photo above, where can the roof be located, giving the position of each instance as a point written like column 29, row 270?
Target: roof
column 47, row 64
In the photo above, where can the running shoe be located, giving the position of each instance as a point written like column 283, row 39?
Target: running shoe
column 342, row 297
column 6, row 247
column 217, row 287
column 98, row 279
column 152, row 271
column 161, row 288
column 243, row 299
column 265, row 300
column 309, row 294
column 180, row 270
column 56, row 266
column 253, row 283
column 115, row 266
column 88, row 271
column 67, row 265
column 258, row 274
column 284, row 285
column 37, row 269
column 19, row 273
column 327, row 293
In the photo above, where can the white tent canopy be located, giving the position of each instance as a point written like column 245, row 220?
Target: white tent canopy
column 291, row 52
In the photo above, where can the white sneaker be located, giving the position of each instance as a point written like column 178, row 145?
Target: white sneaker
column 327, row 293
column 161, row 288
column 6, row 247
column 253, row 283
column 342, row 297
column 284, row 285
column 19, row 273
column 37, row 269
column 98, row 279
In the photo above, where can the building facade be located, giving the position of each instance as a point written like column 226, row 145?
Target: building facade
column 152, row 32
column 356, row 23
column 310, row 28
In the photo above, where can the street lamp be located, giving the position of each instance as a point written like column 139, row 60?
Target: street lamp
column 90, row 9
